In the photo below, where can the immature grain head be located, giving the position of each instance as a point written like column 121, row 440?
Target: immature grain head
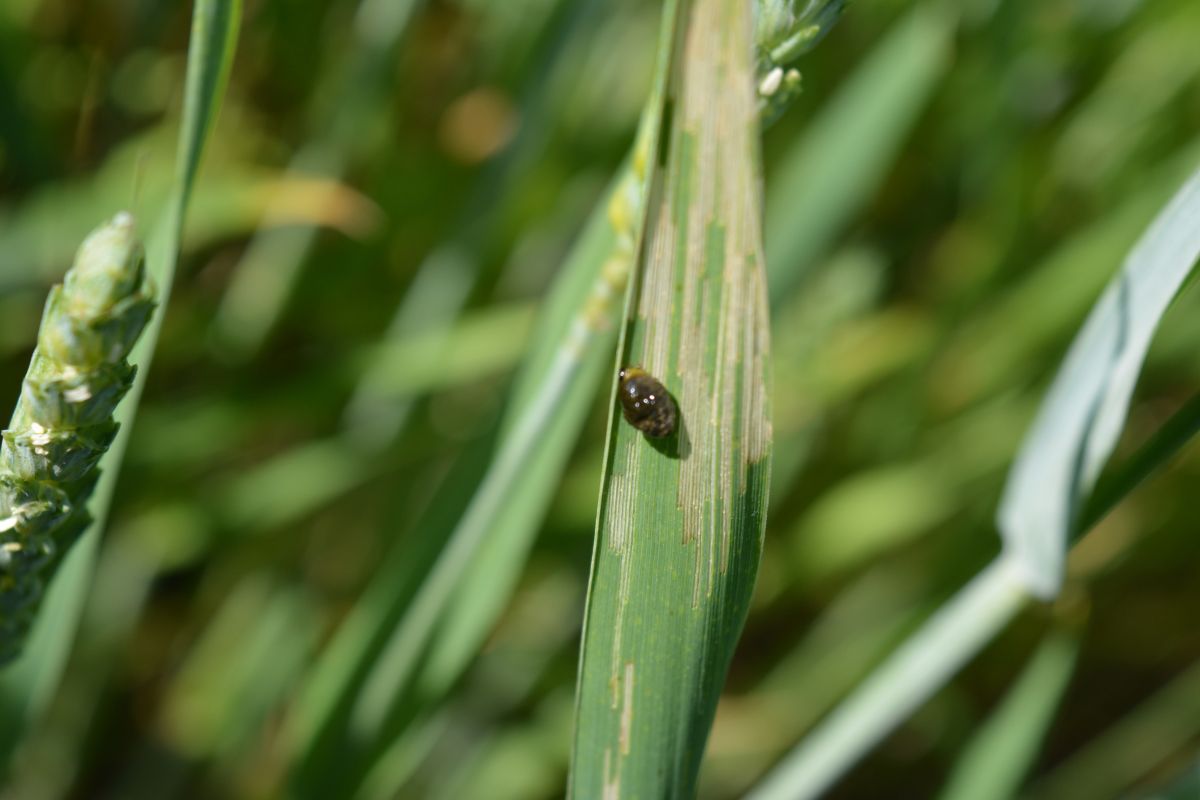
column 63, row 422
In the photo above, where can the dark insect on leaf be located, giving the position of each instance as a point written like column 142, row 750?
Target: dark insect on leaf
column 646, row 403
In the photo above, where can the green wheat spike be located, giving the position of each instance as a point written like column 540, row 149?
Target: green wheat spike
column 784, row 31
column 63, row 422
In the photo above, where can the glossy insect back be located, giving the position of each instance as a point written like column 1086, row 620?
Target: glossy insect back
column 63, row 421
column 646, row 403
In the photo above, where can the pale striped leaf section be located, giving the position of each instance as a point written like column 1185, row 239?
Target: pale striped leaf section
column 681, row 519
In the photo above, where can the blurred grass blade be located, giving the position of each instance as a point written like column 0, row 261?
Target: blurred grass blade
column 264, row 280
column 25, row 687
column 241, row 666
column 931, row 656
column 493, row 571
column 841, row 160
column 1165, row 724
column 342, row 667
column 918, row 668
column 1184, row 787
column 40, row 235
column 374, row 416
column 466, row 591
column 854, row 631
column 680, row 525
column 405, row 644
column 1001, row 753
column 1084, row 411
column 1159, row 449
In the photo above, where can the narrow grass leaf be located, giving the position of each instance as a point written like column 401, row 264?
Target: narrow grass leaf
column 931, row 656
column 379, row 624
column 1084, row 411
column 1184, row 787
column 1001, row 753
column 1165, row 724
column 838, row 164
column 491, row 577
column 918, row 668
column 681, row 519
column 361, row 695
column 263, row 281
column 1157, row 451
column 402, row 672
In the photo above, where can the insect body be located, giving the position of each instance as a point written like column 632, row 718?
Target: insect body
column 646, row 403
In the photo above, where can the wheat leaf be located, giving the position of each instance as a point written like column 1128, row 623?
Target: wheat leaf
column 681, row 519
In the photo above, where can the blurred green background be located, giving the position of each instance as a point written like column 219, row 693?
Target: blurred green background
column 389, row 193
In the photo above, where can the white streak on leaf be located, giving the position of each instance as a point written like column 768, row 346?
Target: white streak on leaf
column 627, row 710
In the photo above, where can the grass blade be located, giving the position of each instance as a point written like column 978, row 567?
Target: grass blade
column 361, row 694
column 680, row 524
column 385, row 664
column 1084, row 411
column 1185, row 786
column 264, row 280
column 1164, row 724
column 469, row 585
column 932, row 655
column 922, row 665
column 1168, row 440
column 843, row 156
column 1001, row 753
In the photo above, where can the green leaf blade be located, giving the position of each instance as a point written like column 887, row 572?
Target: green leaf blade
column 1084, row 411
column 681, row 519
column 1004, row 749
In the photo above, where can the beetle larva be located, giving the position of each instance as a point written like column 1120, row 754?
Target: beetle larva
column 646, row 403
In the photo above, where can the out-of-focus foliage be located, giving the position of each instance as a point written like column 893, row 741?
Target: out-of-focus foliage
column 998, row 163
